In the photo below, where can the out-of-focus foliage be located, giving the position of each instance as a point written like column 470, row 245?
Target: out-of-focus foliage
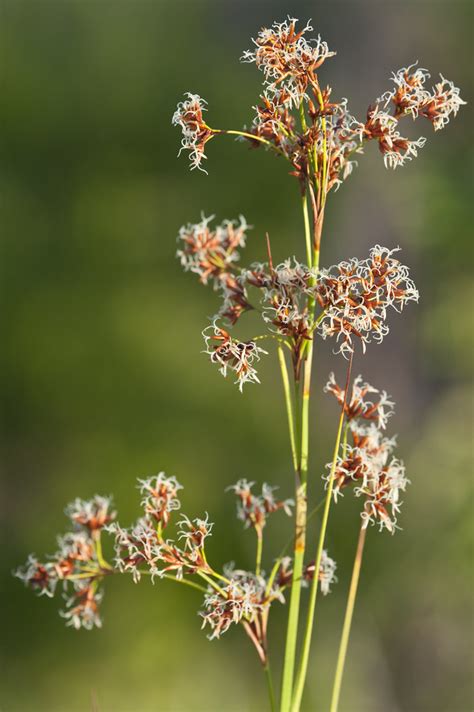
column 102, row 376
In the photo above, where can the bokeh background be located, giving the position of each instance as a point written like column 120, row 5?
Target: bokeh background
column 102, row 373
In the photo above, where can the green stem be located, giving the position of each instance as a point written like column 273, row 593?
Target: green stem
column 303, row 666
column 344, row 442
column 245, row 134
column 307, row 229
column 98, row 550
column 211, row 583
column 271, row 691
column 341, row 658
column 258, row 564
column 305, row 413
column 293, row 613
column 300, row 511
column 191, row 584
column 289, row 405
column 219, row 576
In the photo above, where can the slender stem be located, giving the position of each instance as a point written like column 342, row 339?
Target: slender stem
column 341, row 658
column 300, row 541
column 303, row 666
column 258, row 564
column 293, row 613
column 305, row 412
column 92, row 574
column 289, row 405
column 252, row 634
column 261, row 337
column 98, row 550
column 307, row 229
column 211, row 583
column 245, row 134
column 344, row 442
column 218, row 575
column 271, row 691
column 186, row 582
column 297, row 397
column 300, row 509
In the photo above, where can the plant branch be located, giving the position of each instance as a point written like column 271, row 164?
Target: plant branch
column 303, row 666
column 341, row 658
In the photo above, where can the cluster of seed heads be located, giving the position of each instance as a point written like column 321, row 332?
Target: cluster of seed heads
column 366, row 463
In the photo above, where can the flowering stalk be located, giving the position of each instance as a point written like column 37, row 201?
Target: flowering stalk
column 341, row 658
column 301, row 472
column 303, row 666
column 317, row 138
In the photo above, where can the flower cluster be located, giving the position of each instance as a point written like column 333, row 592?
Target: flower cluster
column 287, row 59
column 274, row 122
column 367, row 463
column 253, row 509
column 410, row 96
column 136, row 547
column 142, row 547
column 244, row 597
column 212, row 255
column 356, row 294
column 358, row 405
column 196, row 133
column 77, row 564
column 284, row 292
column 93, row 514
column 233, row 355
column 329, row 135
column 160, row 497
column 354, row 297
column 395, row 149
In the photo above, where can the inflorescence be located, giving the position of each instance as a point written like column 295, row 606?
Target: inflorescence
column 143, row 549
column 290, row 63
column 366, row 463
column 298, row 120
column 353, row 297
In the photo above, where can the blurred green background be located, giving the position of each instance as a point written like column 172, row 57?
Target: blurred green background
column 102, row 376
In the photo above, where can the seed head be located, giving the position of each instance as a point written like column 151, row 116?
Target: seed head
column 94, row 514
column 358, row 405
column 82, row 608
column 194, row 532
column 211, row 253
column 196, row 133
column 287, row 59
column 443, row 102
column 42, row 578
column 395, row 148
column 244, row 597
column 233, row 355
column 135, row 547
column 356, row 295
column 253, row 509
column 160, row 497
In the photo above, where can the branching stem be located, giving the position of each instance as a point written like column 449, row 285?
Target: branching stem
column 303, row 666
